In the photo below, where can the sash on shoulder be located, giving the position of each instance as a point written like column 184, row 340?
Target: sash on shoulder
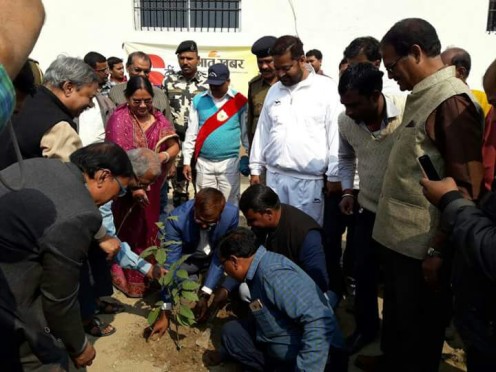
column 223, row 114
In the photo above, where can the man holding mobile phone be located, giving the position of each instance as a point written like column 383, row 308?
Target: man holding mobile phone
column 441, row 120
column 472, row 230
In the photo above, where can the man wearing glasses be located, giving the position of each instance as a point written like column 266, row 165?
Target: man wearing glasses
column 195, row 228
column 442, row 121
column 99, row 64
column 291, row 327
column 147, row 167
column 139, row 64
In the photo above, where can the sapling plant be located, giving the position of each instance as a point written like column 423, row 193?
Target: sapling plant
column 182, row 290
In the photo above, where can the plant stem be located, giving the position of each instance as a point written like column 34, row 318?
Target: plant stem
column 178, row 346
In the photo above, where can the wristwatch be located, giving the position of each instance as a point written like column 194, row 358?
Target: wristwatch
column 431, row 252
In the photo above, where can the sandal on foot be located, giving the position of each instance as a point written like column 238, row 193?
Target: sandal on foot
column 96, row 328
column 106, row 307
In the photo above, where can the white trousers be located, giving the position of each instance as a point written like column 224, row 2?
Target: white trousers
column 222, row 175
column 306, row 195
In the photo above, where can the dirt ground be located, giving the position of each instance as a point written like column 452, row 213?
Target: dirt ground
column 127, row 351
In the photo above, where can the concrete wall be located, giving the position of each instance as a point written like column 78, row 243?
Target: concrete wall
column 75, row 27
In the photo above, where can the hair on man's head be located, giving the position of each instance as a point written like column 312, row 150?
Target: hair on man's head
column 366, row 45
column 240, row 242
column 413, row 31
column 362, row 77
column 259, row 198
column 92, row 58
column 286, row 44
column 102, row 155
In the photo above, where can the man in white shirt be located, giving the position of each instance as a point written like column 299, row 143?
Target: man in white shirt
column 296, row 139
column 92, row 121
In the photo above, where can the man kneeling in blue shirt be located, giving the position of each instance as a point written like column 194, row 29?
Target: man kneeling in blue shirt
column 292, row 326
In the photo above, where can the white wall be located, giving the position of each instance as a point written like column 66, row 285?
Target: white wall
column 75, row 27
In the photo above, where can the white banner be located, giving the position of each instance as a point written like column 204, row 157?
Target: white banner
column 241, row 62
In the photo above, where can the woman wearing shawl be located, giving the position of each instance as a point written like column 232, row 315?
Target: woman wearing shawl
column 132, row 125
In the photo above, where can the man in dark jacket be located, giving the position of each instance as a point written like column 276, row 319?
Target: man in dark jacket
column 45, row 126
column 47, row 227
column 472, row 231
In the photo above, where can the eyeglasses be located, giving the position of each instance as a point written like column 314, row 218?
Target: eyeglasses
column 138, row 70
column 391, row 67
column 137, row 102
column 223, row 261
column 123, row 190
column 201, row 221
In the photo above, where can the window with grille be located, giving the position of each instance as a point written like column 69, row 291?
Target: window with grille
column 491, row 16
column 187, row 15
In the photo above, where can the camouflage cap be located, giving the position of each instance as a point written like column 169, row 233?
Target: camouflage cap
column 187, row 46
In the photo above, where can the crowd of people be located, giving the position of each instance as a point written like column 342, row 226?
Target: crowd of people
column 89, row 156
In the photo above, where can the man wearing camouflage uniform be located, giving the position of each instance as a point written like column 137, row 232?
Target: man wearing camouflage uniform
column 180, row 87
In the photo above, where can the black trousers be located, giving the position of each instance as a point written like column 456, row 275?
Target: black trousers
column 478, row 361
column 95, row 281
column 366, row 274
column 335, row 224
column 414, row 316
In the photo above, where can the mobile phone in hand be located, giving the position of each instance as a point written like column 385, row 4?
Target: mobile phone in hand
column 428, row 168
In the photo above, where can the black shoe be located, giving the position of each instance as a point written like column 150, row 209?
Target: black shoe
column 337, row 360
column 357, row 341
column 369, row 363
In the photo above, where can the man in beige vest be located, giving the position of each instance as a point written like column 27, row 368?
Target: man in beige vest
column 365, row 134
column 442, row 121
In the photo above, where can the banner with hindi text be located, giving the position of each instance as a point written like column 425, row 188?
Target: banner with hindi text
column 241, row 63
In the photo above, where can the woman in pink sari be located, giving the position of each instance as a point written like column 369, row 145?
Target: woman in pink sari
column 132, row 125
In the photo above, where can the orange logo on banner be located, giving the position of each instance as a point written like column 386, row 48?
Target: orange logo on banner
column 158, row 64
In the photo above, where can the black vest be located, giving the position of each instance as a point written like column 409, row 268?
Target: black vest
column 39, row 114
column 290, row 233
